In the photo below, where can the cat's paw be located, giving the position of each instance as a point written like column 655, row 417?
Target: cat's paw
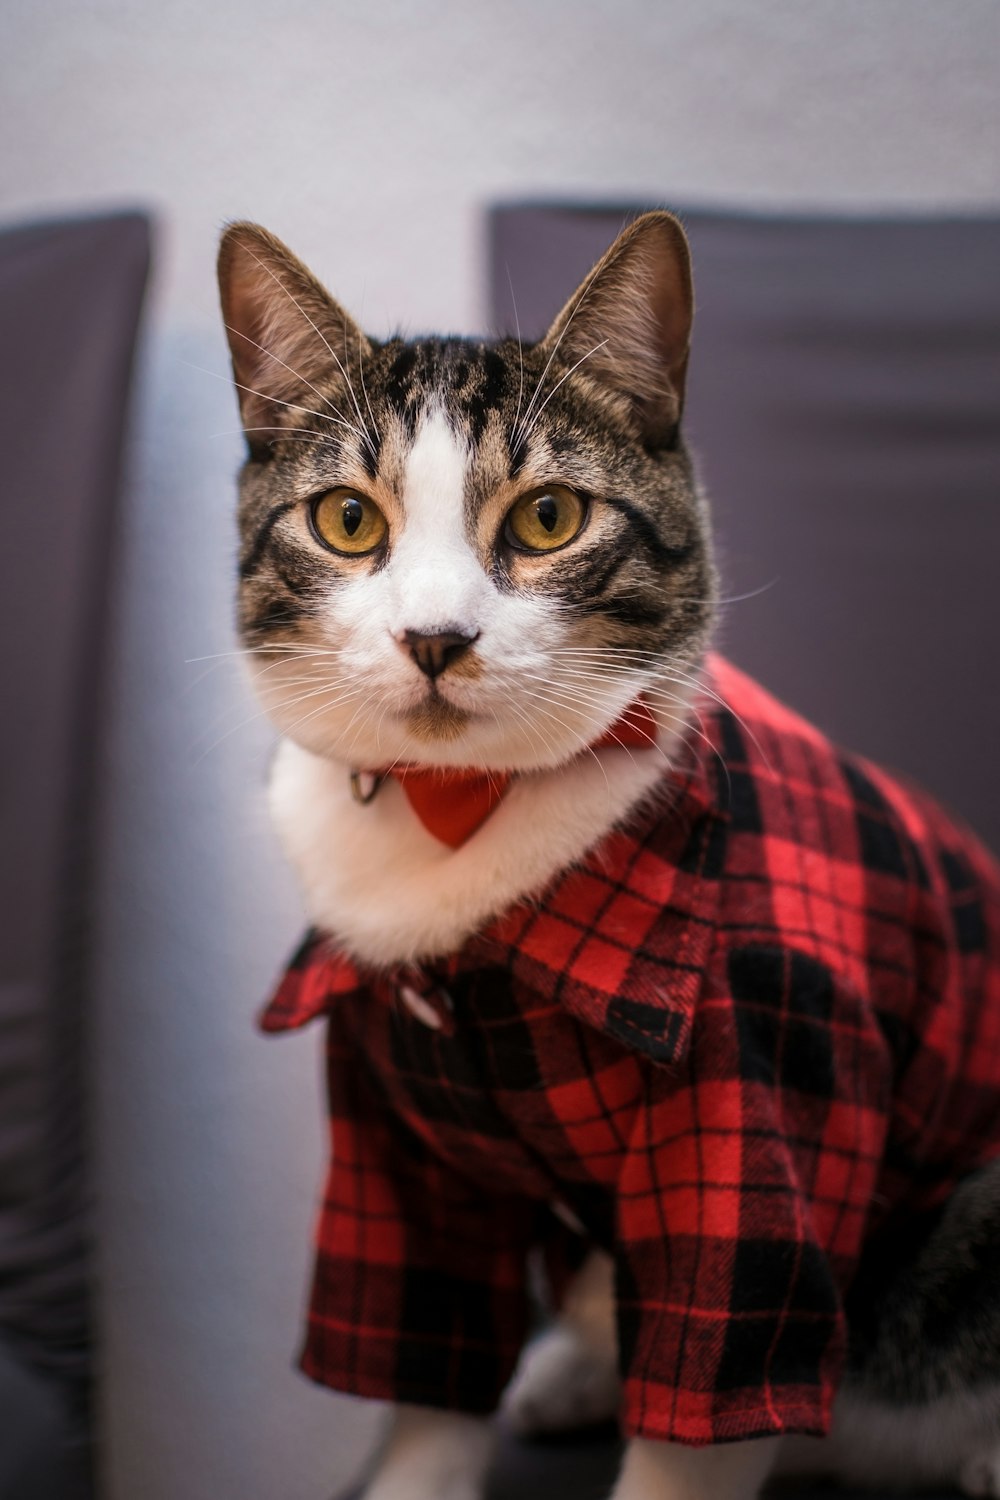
column 560, row 1384
column 432, row 1455
column 980, row 1475
column 420, row 1487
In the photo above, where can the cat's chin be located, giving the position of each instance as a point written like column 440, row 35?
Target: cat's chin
column 436, row 720
column 436, row 732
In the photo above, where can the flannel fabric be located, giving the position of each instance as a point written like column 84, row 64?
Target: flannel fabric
column 756, row 1028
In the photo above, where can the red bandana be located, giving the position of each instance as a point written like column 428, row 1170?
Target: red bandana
column 453, row 803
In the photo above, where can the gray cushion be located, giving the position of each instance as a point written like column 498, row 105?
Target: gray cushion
column 43, row 1444
column 70, row 296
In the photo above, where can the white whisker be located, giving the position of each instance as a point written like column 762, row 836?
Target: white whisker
column 361, row 372
column 323, row 416
column 520, row 360
column 321, row 336
column 534, row 421
column 584, row 293
column 299, row 377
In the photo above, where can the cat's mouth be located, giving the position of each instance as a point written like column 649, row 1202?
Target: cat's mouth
column 435, row 718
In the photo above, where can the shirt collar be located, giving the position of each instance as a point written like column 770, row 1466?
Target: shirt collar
column 620, row 942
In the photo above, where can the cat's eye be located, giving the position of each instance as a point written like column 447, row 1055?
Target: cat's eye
column 347, row 521
column 545, row 519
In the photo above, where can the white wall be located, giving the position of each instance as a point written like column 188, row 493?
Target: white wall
column 369, row 137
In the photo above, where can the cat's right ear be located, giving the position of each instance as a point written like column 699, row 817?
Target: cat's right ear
column 629, row 325
column 286, row 333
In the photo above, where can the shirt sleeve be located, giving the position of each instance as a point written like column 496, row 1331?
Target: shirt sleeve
column 419, row 1292
column 742, row 1206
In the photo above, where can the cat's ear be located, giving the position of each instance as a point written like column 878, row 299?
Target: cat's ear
column 629, row 323
column 286, row 333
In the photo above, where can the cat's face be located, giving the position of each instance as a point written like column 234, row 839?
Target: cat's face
column 458, row 553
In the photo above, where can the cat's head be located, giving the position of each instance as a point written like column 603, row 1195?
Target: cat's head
column 457, row 552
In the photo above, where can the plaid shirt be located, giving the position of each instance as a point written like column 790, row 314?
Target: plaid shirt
column 756, row 1030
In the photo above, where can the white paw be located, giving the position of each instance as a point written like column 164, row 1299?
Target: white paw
column 451, row 1487
column 980, row 1475
column 423, row 1487
column 432, row 1455
column 561, row 1383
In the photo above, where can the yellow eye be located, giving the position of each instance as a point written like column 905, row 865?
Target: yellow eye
column 348, row 522
column 545, row 518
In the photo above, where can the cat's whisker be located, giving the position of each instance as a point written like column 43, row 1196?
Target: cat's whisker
column 683, row 719
column 731, row 598
column 700, row 686
column 670, row 672
column 234, row 658
column 534, row 730
column 538, row 698
column 489, row 774
column 520, row 360
column 307, row 688
column 323, row 708
column 611, row 653
column 268, row 709
column 288, row 433
column 361, row 372
column 378, row 727
column 353, row 394
column 636, row 660
column 302, row 435
column 296, row 663
column 574, row 703
column 323, row 416
column 589, row 748
column 298, row 376
column 297, row 648
column 310, row 680
column 357, row 731
column 562, row 379
column 359, row 725
column 584, row 294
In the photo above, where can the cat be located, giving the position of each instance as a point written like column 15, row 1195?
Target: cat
column 717, row 1007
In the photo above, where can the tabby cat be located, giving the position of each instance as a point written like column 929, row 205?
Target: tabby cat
column 621, row 961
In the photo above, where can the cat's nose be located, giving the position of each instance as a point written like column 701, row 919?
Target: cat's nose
column 434, row 650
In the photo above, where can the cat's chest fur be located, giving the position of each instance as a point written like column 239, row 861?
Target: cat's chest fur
column 389, row 892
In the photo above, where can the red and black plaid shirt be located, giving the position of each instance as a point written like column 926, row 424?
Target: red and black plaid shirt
column 754, row 1030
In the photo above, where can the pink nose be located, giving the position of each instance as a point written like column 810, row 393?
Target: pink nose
column 435, row 650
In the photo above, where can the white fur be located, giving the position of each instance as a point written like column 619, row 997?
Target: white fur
column 568, row 1377
column 672, row 1471
column 435, row 581
column 560, row 1385
column 432, row 1455
column 389, row 891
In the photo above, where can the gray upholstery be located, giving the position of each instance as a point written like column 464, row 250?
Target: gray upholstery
column 70, row 296
column 844, row 402
column 44, row 1445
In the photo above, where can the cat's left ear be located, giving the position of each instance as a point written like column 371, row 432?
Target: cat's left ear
column 629, row 323
column 286, row 333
